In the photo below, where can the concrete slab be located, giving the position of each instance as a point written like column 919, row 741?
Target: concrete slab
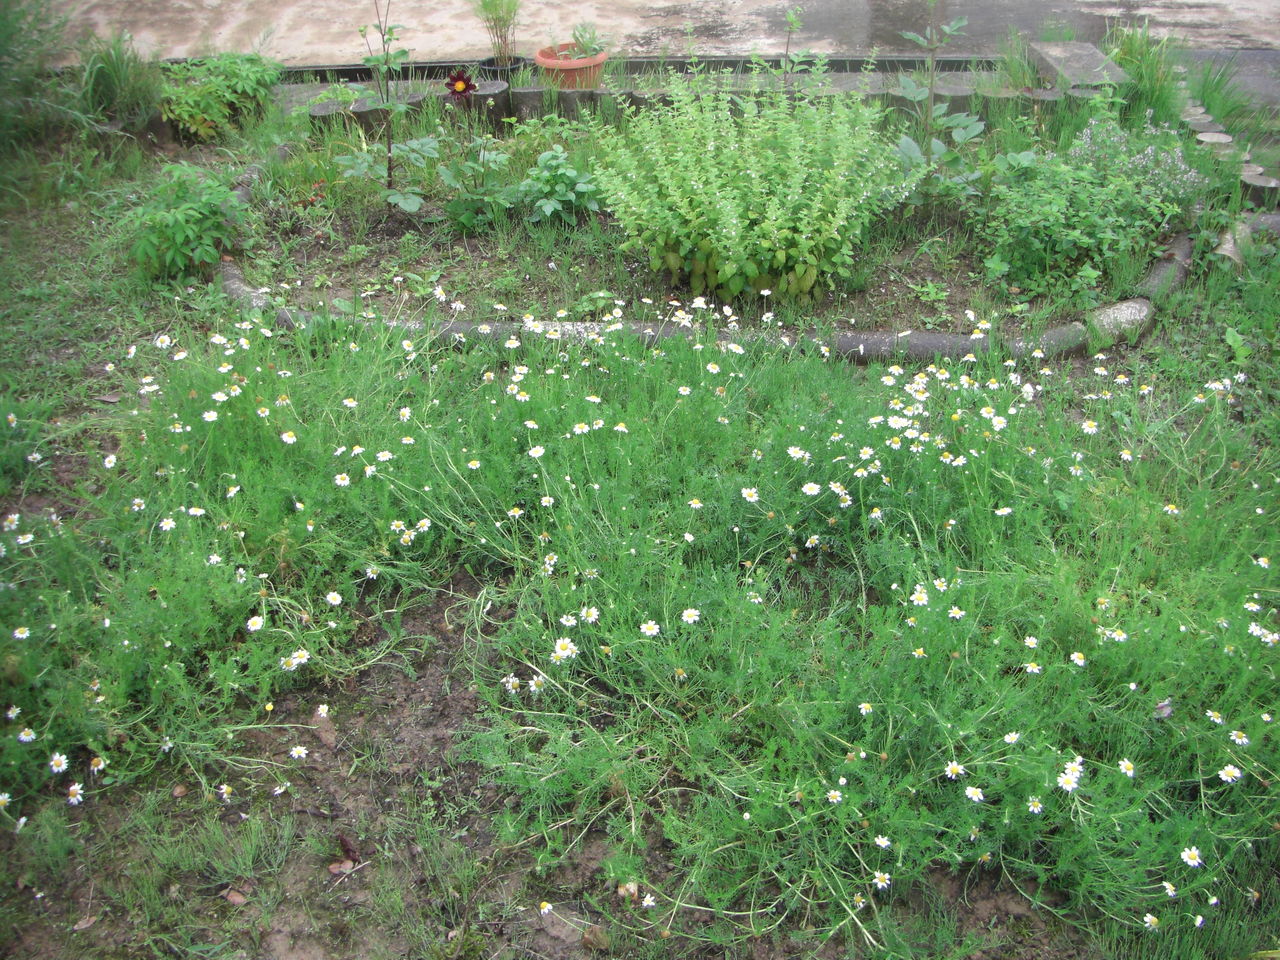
column 1075, row 64
column 315, row 32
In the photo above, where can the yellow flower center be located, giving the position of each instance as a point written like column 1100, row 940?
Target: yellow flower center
column 460, row 86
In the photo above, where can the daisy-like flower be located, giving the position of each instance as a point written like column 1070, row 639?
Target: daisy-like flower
column 342, row 480
column 1003, row 511
column 536, row 452
column 1034, row 806
column 1239, row 738
column 1012, row 737
column 811, row 489
column 649, row 628
column 975, row 794
column 97, row 765
column 1214, row 715
column 254, row 624
column 1169, row 888
column 834, row 796
column 691, row 615
column 1089, row 426
column 1263, row 562
column 544, row 908
column 865, row 708
column 695, row 504
column 1068, row 781
column 1191, row 857
column 919, row 653
column 333, row 598
column 750, row 494
column 1150, row 921
column 460, row 86
column 953, row 770
column 75, row 794
column 955, row 613
column 648, row 901
column 1230, row 773
column 21, row 633
column 58, row 762
column 881, row 880
column 1172, row 509
column 1078, row 658
column 225, row 791
column 298, row 752
column 1032, row 667
column 1127, row 768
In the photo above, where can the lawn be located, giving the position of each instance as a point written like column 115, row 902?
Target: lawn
column 349, row 637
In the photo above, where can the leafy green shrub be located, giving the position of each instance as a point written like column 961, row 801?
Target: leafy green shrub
column 474, row 175
column 750, row 193
column 555, row 188
column 374, row 164
column 117, row 84
column 1059, row 219
column 184, row 225
column 205, row 97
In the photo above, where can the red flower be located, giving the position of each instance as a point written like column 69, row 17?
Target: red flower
column 459, row 85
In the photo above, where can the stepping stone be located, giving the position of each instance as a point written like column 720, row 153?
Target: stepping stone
column 1076, row 65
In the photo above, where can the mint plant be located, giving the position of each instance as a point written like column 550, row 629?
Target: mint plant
column 773, row 192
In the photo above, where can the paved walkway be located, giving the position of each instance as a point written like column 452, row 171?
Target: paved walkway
column 324, row 32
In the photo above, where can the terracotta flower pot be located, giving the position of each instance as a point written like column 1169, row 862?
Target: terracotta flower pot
column 566, row 72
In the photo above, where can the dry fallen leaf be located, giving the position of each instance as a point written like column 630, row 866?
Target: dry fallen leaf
column 84, row 923
column 326, row 732
column 349, row 849
column 595, row 938
column 113, row 397
column 234, row 897
column 180, row 791
column 342, row 867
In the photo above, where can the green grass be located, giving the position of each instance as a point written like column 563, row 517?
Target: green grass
column 771, row 637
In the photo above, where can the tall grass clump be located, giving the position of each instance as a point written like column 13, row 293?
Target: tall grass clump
column 1151, row 94
column 117, row 84
column 33, row 102
column 774, row 190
